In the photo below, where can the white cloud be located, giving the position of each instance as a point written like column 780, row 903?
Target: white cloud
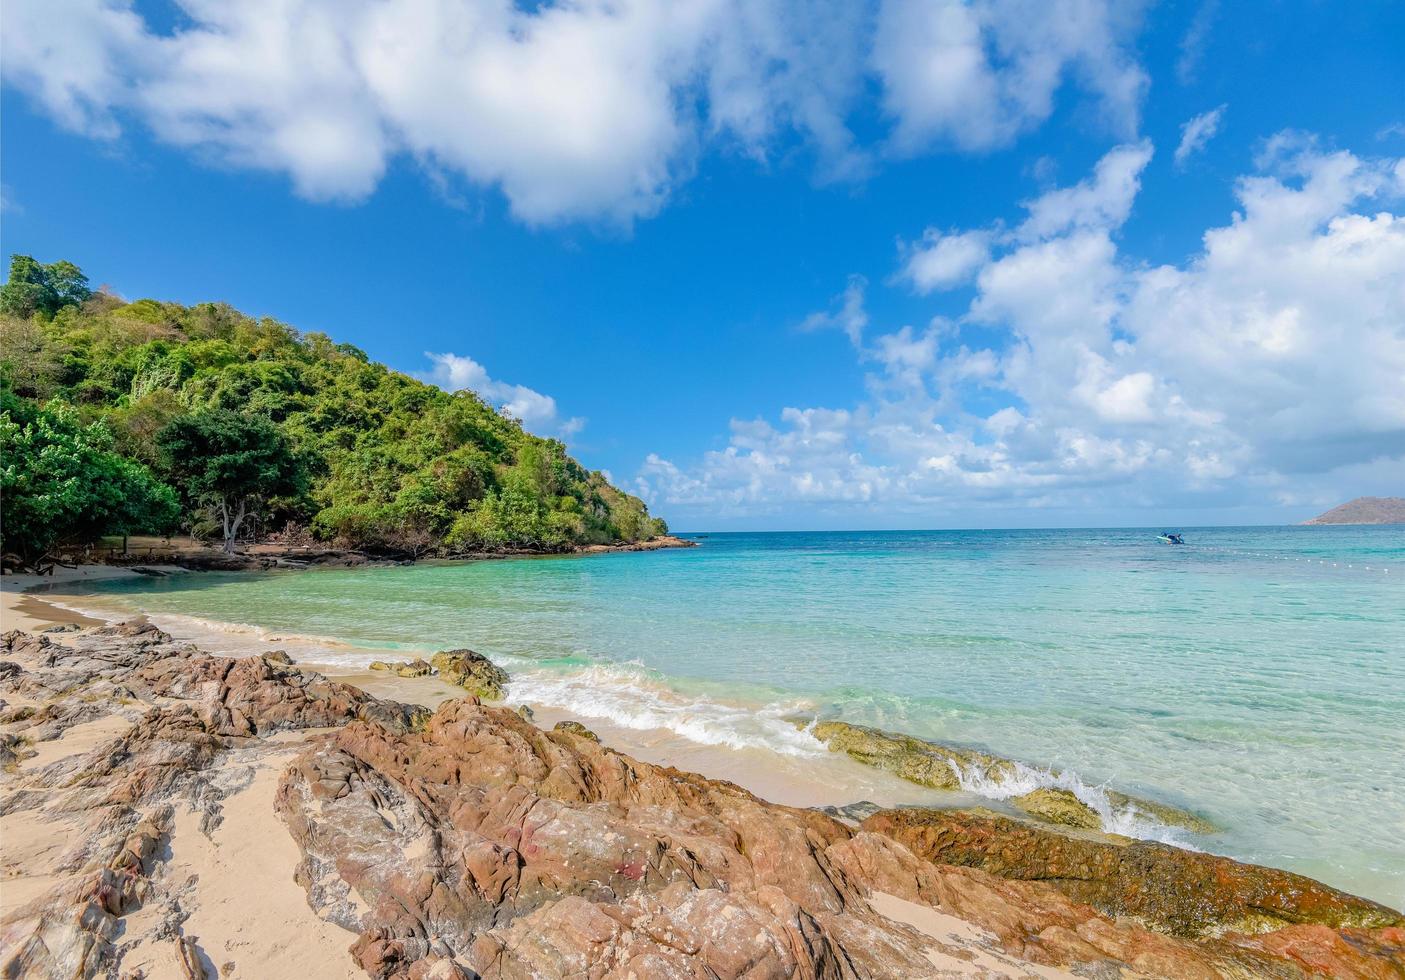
column 537, row 412
column 944, row 261
column 846, row 312
column 578, row 110
column 1196, row 39
column 1104, row 201
column 1197, row 133
column 978, row 73
column 1265, row 370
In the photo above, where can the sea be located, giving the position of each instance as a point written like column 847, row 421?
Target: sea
column 1255, row 675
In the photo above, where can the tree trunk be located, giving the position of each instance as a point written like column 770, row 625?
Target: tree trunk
column 231, row 524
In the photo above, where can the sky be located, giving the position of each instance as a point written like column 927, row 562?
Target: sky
column 775, row 264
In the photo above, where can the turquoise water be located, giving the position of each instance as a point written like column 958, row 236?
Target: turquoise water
column 1256, row 674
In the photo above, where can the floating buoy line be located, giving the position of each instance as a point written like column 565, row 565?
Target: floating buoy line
column 1325, row 562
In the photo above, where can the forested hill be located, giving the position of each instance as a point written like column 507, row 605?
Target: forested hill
column 207, row 419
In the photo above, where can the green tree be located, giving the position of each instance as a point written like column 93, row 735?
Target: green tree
column 37, row 288
column 62, row 484
column 229, row 464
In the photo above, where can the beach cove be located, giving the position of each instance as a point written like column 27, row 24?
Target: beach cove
column 1203, row 679
column 155, row 786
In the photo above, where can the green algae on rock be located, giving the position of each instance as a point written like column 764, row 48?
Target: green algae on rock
column 942, row 767
column 577, row 729
column 1058, row 806
column 471, row 671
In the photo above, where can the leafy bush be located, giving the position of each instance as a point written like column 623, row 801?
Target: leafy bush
column 62, row 484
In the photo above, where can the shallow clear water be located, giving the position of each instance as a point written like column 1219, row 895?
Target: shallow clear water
column 1255, row 674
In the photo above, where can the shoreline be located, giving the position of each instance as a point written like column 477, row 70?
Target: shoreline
column 190, row 555
column 839, row 775
column 826, row 779
column 849, row 766
column 152, row 787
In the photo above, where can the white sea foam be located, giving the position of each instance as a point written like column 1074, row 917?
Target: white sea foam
column 1126, row 819
column 626, row 696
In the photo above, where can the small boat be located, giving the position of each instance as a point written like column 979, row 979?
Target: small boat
column 1169, row 538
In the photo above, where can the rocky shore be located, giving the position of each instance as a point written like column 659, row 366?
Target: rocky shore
column 194, row 556
column 169, row 813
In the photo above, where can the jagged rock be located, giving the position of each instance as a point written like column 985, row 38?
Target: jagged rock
column 514, row 852
column 278, row 657
column 13, row 749
column 488, row 836
column 24, row 644
column 20, row 712
column 525, row 713
column 935, row 765
column 469, row 843
column 9, row 669
column 471, row 671
column 62, row 628
column 1185, row 893
column 1058, row 806
column 576, row 728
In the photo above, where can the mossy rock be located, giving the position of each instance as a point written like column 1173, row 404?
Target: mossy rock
column 1058, row 806
column 407, row 668
column 935, row 765
column 918, row 761
column 471, row 671
column 576, row 728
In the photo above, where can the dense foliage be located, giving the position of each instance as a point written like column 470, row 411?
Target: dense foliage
column 230, row 463
column 61, row 483
column 230, row 411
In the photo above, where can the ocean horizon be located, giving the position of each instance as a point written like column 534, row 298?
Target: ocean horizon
column 1253, row 675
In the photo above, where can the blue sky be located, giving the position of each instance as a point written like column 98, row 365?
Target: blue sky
column 931, row 264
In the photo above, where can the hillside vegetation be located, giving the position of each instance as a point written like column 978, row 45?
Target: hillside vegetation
column 120, row 417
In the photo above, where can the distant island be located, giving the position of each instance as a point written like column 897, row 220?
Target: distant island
column 1365, row 510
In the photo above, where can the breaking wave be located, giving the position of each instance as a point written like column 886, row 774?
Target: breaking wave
column 625, row 695
column 1126, row 819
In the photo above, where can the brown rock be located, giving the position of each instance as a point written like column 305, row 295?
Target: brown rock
column 514, row 852
column 1185, row 893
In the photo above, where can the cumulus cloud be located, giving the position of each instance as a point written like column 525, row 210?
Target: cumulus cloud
column 1197, row 133
column 1266, row 368
column 978, row 73
column 945, row 260
column 537, row 412
column 582, row 110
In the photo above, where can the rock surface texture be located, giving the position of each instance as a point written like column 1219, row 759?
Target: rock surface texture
column 470, row 843
column 471, row 671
